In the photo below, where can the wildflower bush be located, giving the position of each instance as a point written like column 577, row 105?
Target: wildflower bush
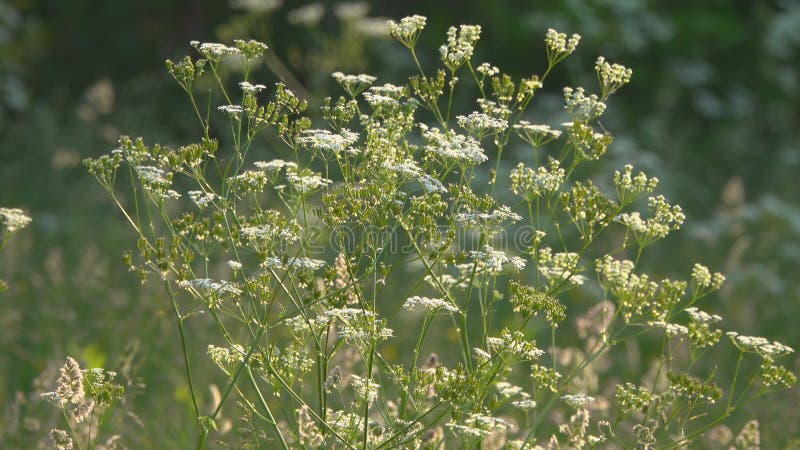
column 393, row 221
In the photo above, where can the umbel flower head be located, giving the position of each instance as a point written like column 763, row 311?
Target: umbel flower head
column 408, row 30
column 13, row 219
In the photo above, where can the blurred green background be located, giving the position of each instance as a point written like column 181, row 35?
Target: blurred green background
column 713, row 110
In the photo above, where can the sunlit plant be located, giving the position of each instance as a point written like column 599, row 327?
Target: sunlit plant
column 379, row 232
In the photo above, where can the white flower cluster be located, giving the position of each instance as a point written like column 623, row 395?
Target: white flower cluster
column 386, row 96
column 251, row 88
column 366, row 390
column 354, row 84
column 487, row 220
column 577, row 401
column 613, row 272
column 408, row 30
column 494, row 109
column 232, row 111
column 272, row 167
column 13, row 219
column 536, row 135
column 636, row 293
column 300, row 325
column 269, row 233
column 294, row 263
column 665, row 218
column 701, row 316
column 481, row 124
column 212, row 286
column 482, row 356
column 760, row 345
column 512, row 345
column 348, row 314
column 460, row 45
column 558, row 44
column 557, row 267
column 588, row 143
column 410, row 169
column 325, row 141
column 429, row 304
column 305, row 181
column 703, row 279
column 496, row 261
column 452, row 146
column 478, row 425
column 251, row 180
column 671, row 329
column 487, row 70
column 612, row 76
column 582, row 107
column 213, row 50
column 226, row 358
column 533, row 183
column 526, row 404
column 360, row 326
column 153, row 175
column 508, row 390
column 629, row 187
column 201, row 199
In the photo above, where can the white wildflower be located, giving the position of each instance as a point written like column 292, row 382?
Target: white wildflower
column 209, row 285
column 759, row 345
column 429, row 304
column 481, row 355
column 558, row 46
column 215, row 51
column 13, row 219
column 233, row 111
column 560, row 266
column 460, row 45
column 452, row 146
column 582, row 107
column 611, row 76
column 294, row 263
column 512, row 345
column 481, row 124
column 496, row 261
column 275, row 165
column 407, row 31
column 534, row 134
column 152, row 175
column 354, row 84
column 201, row 199
column 525, row 404
column 702, row 316
column 477, row 219
column 251, row 88
column 365, row 389
column 577, row 401
column 487, row 70
column 671, row 329
column 305, row 181
column 325, row 141
column 531, row 183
